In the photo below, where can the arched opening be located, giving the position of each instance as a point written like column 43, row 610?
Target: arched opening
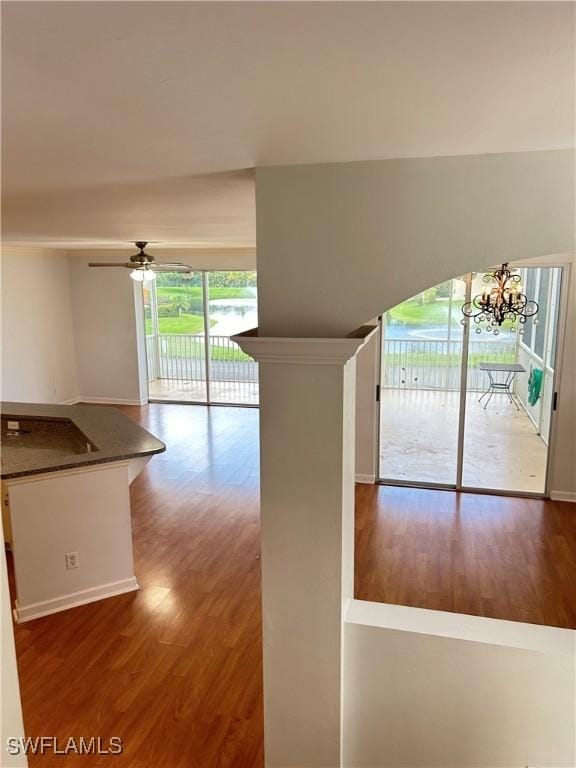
column 467, row 403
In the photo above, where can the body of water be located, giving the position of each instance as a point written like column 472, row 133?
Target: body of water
column 233, row 315
column 440, row 333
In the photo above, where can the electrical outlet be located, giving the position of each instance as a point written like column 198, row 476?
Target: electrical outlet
column 72, row 560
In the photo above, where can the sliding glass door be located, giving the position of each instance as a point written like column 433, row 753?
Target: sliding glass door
column 232, row 309
column 463, row 405
column 189, row 321
column 509, row 394
column 420, row 391
column 174, row 309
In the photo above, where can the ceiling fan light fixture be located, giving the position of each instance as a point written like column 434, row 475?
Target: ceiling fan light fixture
column 141, row 275
column 142, row 266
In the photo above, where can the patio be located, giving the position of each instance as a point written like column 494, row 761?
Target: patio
column 229, row 392
column 419, row 436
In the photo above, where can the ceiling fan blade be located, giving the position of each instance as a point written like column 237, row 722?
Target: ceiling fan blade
column 110, row 264
column 170, row 267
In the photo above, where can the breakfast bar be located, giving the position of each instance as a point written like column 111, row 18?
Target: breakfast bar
column 66, row 472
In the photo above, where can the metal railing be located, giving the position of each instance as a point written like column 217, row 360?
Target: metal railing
column 182, row 358
column 152, row 357
column 436, row 364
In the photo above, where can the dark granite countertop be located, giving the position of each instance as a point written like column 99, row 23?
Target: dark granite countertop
column 79, row 435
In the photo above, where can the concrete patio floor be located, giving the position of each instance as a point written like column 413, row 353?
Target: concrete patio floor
column 419, row 440
column 230, row 392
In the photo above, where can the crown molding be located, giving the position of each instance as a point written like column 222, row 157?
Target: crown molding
column 303, row 351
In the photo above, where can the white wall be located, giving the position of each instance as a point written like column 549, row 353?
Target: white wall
column 426, row 688
column 340, row 243
column 38, row 353
column 89, row 513
column 11, row 710
column 563, row 479
column 367, row 377
column 103, row 307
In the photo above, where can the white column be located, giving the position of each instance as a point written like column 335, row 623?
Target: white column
column 307, row 410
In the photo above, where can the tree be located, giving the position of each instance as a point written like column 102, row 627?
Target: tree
column 429, row 295
column 444, row 289
column 181, row 303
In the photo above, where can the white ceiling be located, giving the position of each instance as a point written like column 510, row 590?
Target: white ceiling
column 110, row 109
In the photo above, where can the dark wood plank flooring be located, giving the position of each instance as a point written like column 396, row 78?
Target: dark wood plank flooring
column 496, row 556
column 175, row 669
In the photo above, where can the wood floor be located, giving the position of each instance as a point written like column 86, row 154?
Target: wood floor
column 495, row 556
column 175, row 669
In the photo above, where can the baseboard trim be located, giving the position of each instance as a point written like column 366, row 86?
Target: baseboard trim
column 563, row 496
column 70, row 401
column 368, row 479
column 24, row 613
column 110, row 400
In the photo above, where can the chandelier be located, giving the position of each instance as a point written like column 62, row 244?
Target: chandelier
column 501, row 300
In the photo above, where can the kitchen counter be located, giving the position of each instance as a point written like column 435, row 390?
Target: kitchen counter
column 50, row 438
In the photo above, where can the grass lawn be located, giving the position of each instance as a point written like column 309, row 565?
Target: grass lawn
column 183, row 324
column 194, row 349
column 426, row 359
column 191, row 325
column 413, row 312
column 195, row 291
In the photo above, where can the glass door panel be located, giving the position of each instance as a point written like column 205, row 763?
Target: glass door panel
column 232, row 308
column 174, row 308
column 151, row 331
column 422, row 341
column 509, row 393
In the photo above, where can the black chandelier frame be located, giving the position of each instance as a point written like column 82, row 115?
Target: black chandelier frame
column 503, row 301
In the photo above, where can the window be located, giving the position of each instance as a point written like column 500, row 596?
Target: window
column 540, row 332
column 554, row 305
column 530, row 291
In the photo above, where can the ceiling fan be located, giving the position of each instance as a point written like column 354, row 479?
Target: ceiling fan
column 143, row 265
